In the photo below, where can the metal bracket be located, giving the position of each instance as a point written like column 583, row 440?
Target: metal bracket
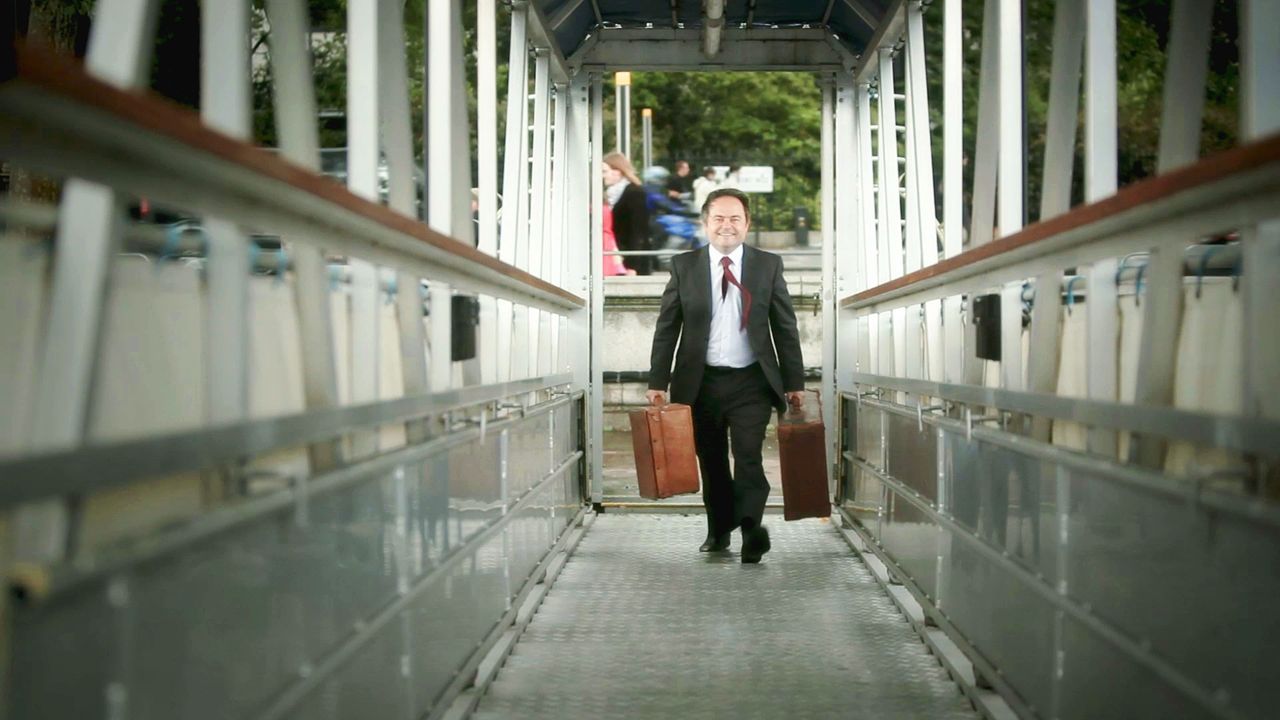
column 969, row 420
column 920, row 411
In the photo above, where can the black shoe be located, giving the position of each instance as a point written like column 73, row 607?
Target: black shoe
column 755, row 543
column 715, row 544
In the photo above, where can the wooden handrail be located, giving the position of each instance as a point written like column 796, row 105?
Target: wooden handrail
column 1211, row 169
column 54, row 73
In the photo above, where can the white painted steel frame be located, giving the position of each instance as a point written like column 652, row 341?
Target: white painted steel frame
column 295, row 115
column 514, row 175
column 952, row 180
column 595, row 395
column 363, row 151
column 88, row 232
column 1100, row 162
column 487, row 200
column 838, row 242
column 535, row 259
column 867, row 231
column 920, row 164
column 225, row 106
column 1186, row 70
column 1260, row 117
column 985, row 155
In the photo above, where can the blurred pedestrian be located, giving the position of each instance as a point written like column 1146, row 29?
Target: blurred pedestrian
column 680, row 185
column 625, row 195
column 703, row 186
column 732, row 181
column 613, row 264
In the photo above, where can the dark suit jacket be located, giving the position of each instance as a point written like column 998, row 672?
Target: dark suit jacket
column 686, row 316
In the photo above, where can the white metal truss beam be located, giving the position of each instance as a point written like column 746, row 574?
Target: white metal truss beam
column 864, row 13
column 89, row 225
column 363, row 150
column 225, row 106
column 513, row 174
column 952, row 179
column 541, row 36
column 1259, row 118
column 982, row 217
column 120, row 50
column 487, row 150
column 595, row 394
column 680, row 49
column 295, row 115
column 1100, row 162
column 1186, row 70
column 887, row 34
column 1055, row 199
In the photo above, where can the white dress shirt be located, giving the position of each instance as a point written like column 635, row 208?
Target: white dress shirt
column 727, row 345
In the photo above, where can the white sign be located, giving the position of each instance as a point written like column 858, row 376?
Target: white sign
column 751, row 178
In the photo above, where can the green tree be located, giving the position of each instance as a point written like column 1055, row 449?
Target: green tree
column 748, row 118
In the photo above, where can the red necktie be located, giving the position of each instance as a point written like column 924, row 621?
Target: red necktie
column 724, row 289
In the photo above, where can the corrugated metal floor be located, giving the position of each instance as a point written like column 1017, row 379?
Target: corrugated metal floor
column 640, row 624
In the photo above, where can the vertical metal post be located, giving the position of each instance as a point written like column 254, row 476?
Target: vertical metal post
column 581, row 228
column 1055, row 198
column 891, row 192
column 556, row 236
column 921, row 164
column 838, row 238
column 1010, row 160
column 295, row 114
column 595, row 394
column 513, row 174
column 646, row 121
column 1064, row 103
column 952, row 179
column 1259, row 62
column 448, row 169
column 363, row 150
column 983, row 213
column 1186, row 69
column 402, row 198
column 87, row 235
column 120, row 51
column 1183, row 109
column 1100, row 182
column 1260, row 116
column 487, row 149
column 224, row 106
column 538, row 197
column 622, row 111
column 868, row 226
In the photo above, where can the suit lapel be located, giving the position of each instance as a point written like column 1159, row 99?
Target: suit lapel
column 752, row 274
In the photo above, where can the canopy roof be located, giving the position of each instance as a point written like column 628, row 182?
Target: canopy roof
column 671, row 34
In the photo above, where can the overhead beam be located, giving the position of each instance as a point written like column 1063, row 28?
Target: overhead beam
column 888, row 32
column 541, row 37
column 864, row 13
column 563, row 14
column 681, row 49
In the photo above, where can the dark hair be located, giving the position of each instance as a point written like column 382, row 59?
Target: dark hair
column 726, row 192
column 708, row 170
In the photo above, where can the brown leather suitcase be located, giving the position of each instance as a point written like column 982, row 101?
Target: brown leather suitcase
column 802, row 449
column 666, row 459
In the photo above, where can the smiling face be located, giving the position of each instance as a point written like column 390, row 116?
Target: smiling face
column 610, row 174
column 726, row 223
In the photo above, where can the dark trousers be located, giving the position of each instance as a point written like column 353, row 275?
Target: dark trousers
column 731, row 412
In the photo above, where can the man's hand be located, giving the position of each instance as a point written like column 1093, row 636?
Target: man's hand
column 656, row 397
column 795, row 399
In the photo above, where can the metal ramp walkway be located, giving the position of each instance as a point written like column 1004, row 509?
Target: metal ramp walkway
column 639, row 624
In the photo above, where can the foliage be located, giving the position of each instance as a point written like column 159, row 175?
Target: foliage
column 755, row 118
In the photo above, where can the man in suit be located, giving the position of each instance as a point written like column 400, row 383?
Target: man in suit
column 727, row 305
